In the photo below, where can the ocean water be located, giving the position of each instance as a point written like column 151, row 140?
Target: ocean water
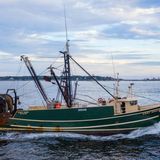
column 141, row 144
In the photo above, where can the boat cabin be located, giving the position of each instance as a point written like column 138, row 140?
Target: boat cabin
column 124, row 105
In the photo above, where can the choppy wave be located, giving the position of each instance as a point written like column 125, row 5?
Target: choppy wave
column 152, row 130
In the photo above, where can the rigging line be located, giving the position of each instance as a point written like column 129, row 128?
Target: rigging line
column 31, row 80
column 33, row 91
column 45, row 71
column 136, row 95
column 18, row 72
column 13, row 82
column 20, row 67
column 24, row 84
column 87, row 96
column 85, row 101
column 58, row 56
column 92, row 77
column 47, row 57
column 59, row 66
column 149, row 99
column 146, row 98
column 27, row 104
column 28, row 81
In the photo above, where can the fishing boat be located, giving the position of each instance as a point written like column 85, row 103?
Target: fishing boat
column 106, row 116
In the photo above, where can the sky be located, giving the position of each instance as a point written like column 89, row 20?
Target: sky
column 106, row 36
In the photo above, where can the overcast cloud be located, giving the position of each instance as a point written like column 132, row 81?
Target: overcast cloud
column 99, row 30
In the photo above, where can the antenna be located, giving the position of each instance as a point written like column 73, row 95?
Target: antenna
column 113, row 65
column 66, row 29
column 116, row 84
column 65, row 20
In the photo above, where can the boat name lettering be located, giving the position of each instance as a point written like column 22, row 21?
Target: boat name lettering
column 152, row 111
column 82, row 109
column 23, row 112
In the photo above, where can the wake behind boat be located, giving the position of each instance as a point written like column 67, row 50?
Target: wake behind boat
column 65, row 114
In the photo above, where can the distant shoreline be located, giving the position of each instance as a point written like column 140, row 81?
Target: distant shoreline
column 73, row 78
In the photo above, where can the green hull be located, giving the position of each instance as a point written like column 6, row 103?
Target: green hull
column 92, row 120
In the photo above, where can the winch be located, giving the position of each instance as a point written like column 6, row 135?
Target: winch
column 6, row 103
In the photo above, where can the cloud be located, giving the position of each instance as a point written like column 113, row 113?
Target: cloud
column 128, row 29
column 131, row 56
column 6, row 56
column 148, row 63
column 146, row 33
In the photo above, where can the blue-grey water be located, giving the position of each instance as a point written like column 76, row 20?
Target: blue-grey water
column 138, row 145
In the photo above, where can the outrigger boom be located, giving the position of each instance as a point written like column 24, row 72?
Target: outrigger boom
column 35, row 78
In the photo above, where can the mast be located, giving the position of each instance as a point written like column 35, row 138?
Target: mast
column 67, row 91
column 67, row 77
column 35, row 78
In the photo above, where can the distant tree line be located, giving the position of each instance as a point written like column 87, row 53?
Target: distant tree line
column 73, row 78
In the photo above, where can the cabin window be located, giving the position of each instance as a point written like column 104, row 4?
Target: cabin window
column 123, row 107
column 132, row 103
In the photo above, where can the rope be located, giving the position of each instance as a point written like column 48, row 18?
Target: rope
column 85, row 101
column 33, row 91
column 87, row 96
column 136, row 95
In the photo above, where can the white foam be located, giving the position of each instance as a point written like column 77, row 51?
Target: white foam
column 152, row 130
